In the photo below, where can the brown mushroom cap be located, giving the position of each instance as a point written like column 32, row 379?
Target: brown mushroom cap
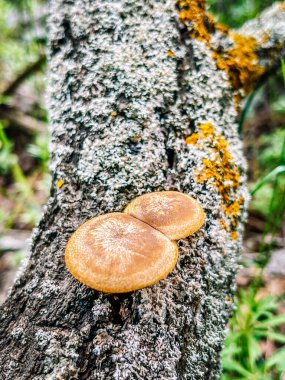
column 175, row 214
column 117, row 253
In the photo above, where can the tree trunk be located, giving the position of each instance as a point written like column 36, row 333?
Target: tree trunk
column 144, row 97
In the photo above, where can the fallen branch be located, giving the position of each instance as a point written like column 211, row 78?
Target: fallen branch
column 24, row 122
column 28, row 71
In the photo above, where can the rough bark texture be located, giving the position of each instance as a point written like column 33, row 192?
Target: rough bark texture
column 139, row 101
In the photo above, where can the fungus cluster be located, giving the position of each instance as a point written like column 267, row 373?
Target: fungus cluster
column 121, row 252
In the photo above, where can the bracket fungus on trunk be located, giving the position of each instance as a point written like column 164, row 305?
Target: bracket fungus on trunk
column 122, row 252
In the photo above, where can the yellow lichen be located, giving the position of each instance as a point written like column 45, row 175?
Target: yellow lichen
column 170, row 53
column 233, row 209
column 223, row 224
column 265, row 38
column 136, row 138
column 193, row 11
column 220, row 171
column 240, row 61
column 192, row 139
column 114, row 113
column 59, row 183
column 206, row 130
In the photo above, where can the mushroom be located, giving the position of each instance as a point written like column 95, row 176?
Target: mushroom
column 121, row 252
column 175, row 214
column 117, row 253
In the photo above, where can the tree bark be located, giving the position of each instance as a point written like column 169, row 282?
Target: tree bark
column 143, row 97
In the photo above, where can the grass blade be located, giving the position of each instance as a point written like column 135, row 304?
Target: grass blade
column 274, row 173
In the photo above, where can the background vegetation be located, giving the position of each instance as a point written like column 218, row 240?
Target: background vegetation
column 254, row 347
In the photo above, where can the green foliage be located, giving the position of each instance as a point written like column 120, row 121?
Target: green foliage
column 21, row 44
column 283, row 69
column 18, row 46
column 237, row 12
column 254, row 323
column 9, row 163
column 275, row 158
column 26, row 208
column 39, row 150
column 269, row 190
column 17, row 258
column 19, row 4
column 272, row 175
column 6, row 157
column 278, row 107
column 273, row 152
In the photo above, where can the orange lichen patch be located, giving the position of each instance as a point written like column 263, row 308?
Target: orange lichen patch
column 241, row 62
column 205, row 129
column 136, row 139
column 170, row 53
column 174, row 214
column 219, row 171
column 223, row 224
column 192, row 139
column 59, row 183
column 233, row 209
column 114, row 113
column 199, row 23
column 192, row 13
column 224, row 29
column 117, row 253
column 233, row 212
column 265, row 38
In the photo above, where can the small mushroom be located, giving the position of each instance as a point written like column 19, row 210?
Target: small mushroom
column 175, row 214
column 117, row 253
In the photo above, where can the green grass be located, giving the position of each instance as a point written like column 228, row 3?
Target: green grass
column 255, row 321
column 26, row 208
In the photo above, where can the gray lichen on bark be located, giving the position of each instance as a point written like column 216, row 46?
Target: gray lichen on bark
column 127, row 87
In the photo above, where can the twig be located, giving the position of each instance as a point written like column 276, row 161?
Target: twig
column 24, row 122
column 30, row 69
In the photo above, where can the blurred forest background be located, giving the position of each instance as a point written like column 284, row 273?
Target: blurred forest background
column 254, row 348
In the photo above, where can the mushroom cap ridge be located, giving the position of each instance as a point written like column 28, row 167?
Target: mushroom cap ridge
column 117, row 253
column 175, row 214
